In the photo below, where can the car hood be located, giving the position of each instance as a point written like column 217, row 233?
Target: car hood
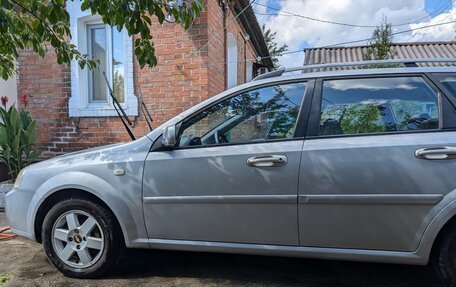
column 109, row 153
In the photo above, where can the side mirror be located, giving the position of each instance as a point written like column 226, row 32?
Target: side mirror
column 169, row 136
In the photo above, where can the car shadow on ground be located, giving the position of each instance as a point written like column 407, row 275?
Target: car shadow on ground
column 235, row 270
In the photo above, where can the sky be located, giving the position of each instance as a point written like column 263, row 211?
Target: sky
column 299, row 33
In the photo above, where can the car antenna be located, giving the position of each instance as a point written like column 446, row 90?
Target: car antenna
column 144, row 109
column 123, row 117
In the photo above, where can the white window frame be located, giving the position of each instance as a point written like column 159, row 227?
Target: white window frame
column 248, row 71
column 232, row 61
column 79, row 104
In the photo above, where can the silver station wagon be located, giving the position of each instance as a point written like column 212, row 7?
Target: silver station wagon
column 347, row 164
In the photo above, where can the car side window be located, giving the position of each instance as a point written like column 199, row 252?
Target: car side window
column 449, row 81
column 267, row 113
column 376, row 105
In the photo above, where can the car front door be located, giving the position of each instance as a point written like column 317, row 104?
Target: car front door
column 368, row 179
column 233, row 174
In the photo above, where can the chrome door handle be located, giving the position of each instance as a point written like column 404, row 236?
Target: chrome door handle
column 267, row 161
column 436, row 153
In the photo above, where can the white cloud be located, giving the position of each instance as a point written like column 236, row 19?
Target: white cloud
column 294, row 31
column 437, row 33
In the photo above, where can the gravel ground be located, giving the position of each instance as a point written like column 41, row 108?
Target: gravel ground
column 25, row 264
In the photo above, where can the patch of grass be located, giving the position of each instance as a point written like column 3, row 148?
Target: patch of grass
column 4, row 278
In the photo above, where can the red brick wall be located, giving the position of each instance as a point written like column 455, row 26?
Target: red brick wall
column 217, row 48
column 180, row 80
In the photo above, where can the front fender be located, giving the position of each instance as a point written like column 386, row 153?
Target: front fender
column 127, row 207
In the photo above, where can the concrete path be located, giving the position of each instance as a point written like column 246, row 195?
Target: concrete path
column 25, row 264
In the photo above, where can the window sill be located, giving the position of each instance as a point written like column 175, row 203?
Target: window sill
column 101, row 112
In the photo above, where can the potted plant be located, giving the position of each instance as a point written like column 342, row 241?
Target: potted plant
column 17, row 140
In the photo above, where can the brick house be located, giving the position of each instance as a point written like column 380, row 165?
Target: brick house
column 72, row 107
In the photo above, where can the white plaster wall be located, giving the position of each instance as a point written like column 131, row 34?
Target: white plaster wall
column 9, row 88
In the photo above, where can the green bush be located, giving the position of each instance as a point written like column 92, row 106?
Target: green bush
column 17, row 139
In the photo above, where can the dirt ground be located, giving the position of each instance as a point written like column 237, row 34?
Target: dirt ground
column 23, row 263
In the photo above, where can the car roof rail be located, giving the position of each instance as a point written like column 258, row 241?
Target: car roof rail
column 406, row 62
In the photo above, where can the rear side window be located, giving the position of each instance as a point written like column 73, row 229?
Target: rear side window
column 376, row 105
column 449, row 82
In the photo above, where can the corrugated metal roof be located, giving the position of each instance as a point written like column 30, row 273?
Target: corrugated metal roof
column 315, row 56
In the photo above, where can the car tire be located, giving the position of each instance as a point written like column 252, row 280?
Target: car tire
column 81, row 238
column 443, row 260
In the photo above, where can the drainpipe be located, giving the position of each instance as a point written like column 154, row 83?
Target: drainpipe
column 246, row 39
column 224, row 6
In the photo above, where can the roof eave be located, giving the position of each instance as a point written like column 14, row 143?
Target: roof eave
column 251, row 25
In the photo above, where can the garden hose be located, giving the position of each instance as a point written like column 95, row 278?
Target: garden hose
column 3, row 235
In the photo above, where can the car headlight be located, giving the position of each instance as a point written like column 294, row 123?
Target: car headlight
column 19, row 178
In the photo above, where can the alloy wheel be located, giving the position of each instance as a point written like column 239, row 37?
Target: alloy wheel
column 77, row 239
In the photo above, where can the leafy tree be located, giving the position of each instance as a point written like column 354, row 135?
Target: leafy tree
column 33, row 24
column 380, row 45
column 404, row 110
column 274, row 50
column 118, row 86
column 361, row 118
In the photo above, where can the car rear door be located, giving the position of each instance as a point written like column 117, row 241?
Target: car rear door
column 233, row 176
column 370, row 173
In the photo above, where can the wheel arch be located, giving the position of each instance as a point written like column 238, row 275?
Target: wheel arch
column 125, row 205
column 451, row 223
column 444, row 219
column 60, row 195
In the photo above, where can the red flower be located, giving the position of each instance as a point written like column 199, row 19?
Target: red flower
column 24, row 99
column 4, row 101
